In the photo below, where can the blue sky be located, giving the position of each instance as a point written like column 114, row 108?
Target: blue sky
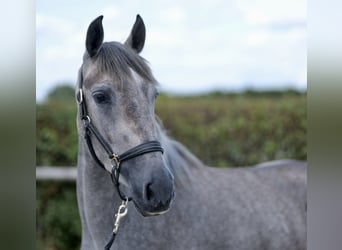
column 192, row 46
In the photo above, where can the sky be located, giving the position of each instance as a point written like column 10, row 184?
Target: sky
column 192, row 46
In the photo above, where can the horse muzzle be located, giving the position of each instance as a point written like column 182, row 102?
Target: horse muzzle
column 156, row 195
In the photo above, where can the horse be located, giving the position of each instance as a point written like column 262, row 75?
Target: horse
column 131, row 174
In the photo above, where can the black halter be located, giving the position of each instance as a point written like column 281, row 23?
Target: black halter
column 117, row 159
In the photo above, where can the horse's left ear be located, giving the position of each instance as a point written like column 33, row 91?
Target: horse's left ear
column 94, row 36
column 136, row 39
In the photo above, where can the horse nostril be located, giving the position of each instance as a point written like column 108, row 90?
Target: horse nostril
column 149, row 192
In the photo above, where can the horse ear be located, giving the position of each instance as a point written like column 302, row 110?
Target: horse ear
column 136, row 39
column 94, row 36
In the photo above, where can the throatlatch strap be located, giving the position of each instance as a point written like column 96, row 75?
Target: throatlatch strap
column 99, row 137
column 91, row 149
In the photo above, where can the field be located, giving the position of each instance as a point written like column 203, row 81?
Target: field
column 223, row 130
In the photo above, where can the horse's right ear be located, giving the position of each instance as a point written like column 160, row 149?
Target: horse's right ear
column 94, row 36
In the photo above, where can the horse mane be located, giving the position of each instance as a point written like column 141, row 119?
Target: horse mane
column 117, row 58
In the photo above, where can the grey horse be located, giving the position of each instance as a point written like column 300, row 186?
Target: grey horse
column 177, row 201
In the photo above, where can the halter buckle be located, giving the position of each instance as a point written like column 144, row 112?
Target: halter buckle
column 79, row 96
column 86, row 120
column 115, row 160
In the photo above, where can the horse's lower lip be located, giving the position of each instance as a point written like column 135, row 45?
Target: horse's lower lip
column 148, row 214
column 147, row 211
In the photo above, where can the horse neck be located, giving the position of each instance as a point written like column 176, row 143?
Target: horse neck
column 95, row 183
column 181, row 161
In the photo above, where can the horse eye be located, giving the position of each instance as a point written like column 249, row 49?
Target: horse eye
column 100, row 97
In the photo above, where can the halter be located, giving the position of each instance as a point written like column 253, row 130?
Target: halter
column 116, row 159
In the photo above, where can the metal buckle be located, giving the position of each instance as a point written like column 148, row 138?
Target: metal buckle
column 86, row 121
column 115, row 166
column 79, row 96
column 115, row 161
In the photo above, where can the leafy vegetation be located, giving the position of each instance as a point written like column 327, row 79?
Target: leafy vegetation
column 57, row 220
column 237, row 131
column 222, row 129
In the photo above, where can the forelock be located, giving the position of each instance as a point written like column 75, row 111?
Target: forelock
column 118, row 60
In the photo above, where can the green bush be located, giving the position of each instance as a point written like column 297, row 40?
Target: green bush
column 221, row 129
column 57, row 220
column 237, row 130
column 56, row 133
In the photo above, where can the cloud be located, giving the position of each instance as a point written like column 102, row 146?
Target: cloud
column 164, row 39
column 190, row 44
column 53, row 26
column 287, row 25
column 174, row 14
column 111, row 12
column 265, row 12
column 59, row 42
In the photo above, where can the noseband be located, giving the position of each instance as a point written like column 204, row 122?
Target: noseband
column 116, row 159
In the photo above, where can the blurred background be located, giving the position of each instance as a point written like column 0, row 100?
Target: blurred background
column 193, row 46
column 232, row 79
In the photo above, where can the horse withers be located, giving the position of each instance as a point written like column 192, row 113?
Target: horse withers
column 177, row 201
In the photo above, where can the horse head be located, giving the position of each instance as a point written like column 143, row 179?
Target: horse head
column 119, row 90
